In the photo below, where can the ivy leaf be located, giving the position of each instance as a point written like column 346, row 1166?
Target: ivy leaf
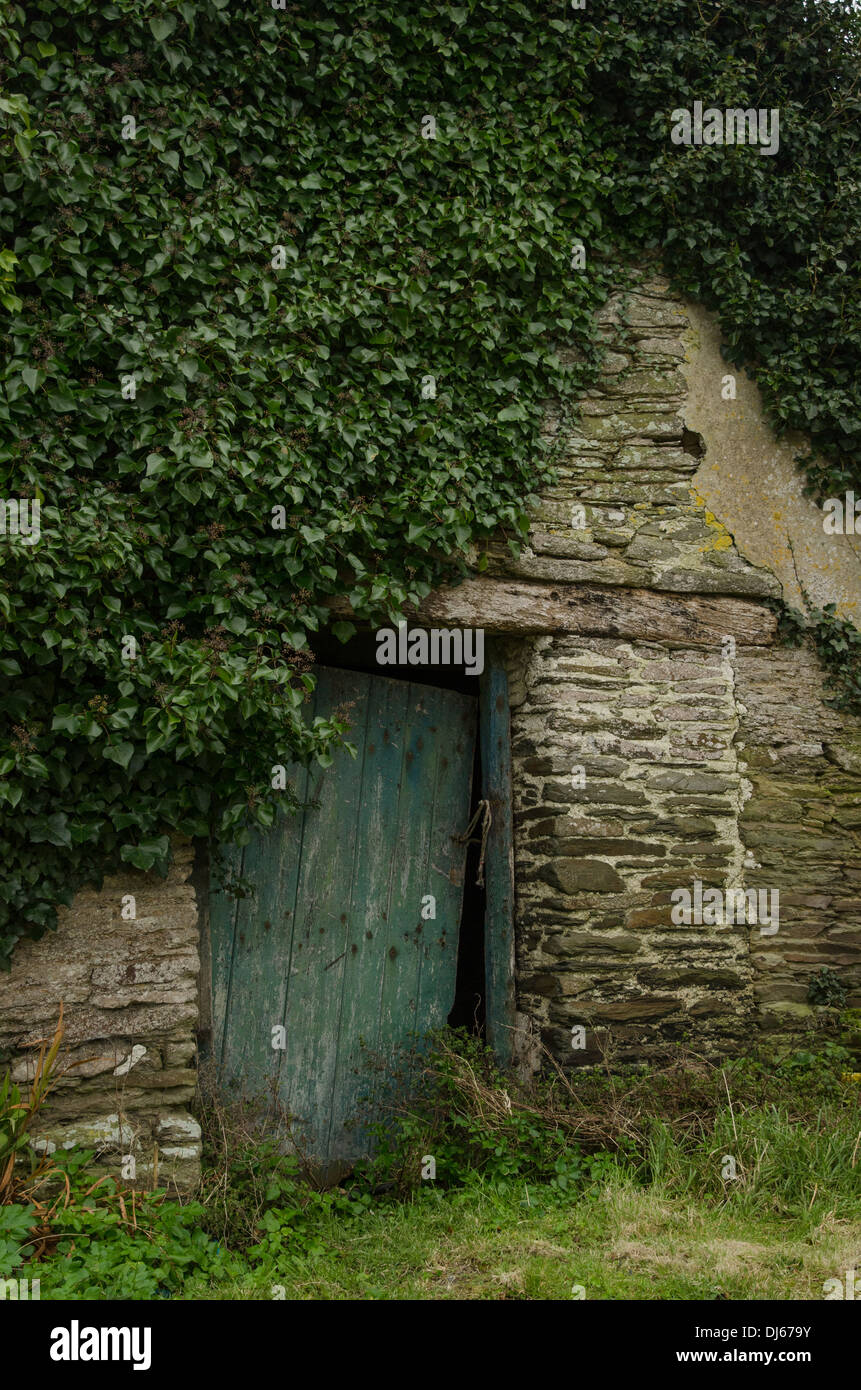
column 147, row 854
column 52, row 830
column 65, row 720
column 121, row 753
column 162, row 27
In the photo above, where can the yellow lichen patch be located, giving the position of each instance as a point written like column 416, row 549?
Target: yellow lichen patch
column 722, row 539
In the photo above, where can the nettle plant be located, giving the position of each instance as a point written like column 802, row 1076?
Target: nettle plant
column 233, row 252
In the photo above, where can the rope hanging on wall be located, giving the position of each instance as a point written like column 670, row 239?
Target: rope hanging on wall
column 482, row 813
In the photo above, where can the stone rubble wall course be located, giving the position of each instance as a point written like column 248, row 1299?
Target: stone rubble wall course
column 129, row 991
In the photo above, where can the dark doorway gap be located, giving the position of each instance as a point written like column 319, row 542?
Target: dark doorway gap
column 469, row 995
column 360, row 654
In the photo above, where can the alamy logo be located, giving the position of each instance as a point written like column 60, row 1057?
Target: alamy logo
column 438, row 647
column 20, row 1288
column 19, row 516
column 76, row 1343
column 717, row 907
column 732, row 126
column 842, row 515
column 833, row 1288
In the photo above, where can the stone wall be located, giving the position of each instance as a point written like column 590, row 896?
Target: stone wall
column 641, row 647
column 802, row 823
column 129, row 990
column 714, row 759
column 696, row 767
column 653, row 730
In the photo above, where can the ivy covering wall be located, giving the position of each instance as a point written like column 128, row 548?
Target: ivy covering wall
column 233, row 252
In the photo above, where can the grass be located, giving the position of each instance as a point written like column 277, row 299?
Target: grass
column 619, row 1241
column 691, row 1182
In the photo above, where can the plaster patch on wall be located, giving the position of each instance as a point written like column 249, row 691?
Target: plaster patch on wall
column 133, row 1058
column 750, row 481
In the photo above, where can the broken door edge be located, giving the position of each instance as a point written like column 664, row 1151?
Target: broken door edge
column 494, row 726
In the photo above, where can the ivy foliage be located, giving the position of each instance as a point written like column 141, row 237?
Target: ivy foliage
column 772, row 243
column 837, row 643
column 280, row 259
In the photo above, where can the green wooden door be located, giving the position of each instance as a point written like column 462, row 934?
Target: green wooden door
column 333, row 944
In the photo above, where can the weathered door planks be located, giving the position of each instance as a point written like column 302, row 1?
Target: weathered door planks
column 333, row 943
